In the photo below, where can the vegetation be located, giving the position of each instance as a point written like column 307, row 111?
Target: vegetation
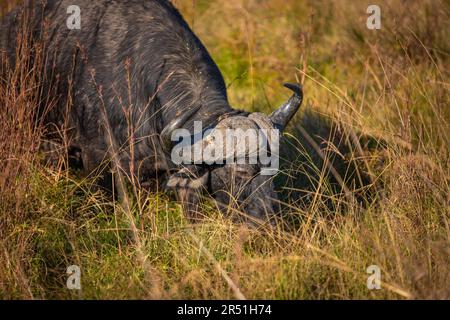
column 364, row 179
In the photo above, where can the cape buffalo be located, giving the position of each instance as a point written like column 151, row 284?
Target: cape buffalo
column 139, row 63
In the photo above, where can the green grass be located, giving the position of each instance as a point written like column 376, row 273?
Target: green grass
column 376, row 104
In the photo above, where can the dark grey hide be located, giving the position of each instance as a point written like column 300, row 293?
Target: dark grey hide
column 140, row 61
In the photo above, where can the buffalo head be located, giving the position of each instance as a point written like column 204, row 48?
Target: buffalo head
column 236, row 173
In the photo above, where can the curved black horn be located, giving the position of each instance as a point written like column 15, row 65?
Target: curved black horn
column 281, row 117
column 166, row 133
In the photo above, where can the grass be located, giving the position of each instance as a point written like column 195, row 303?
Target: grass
column 364, row 177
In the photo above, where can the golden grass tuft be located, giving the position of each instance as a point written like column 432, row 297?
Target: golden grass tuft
column 365, row 174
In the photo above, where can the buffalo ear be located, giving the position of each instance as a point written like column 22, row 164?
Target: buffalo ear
column 188, row 184
column 188, row 177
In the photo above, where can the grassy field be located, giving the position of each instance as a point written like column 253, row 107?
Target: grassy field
column 364, row 179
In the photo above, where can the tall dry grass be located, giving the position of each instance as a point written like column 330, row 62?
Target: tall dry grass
column 364, row 178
